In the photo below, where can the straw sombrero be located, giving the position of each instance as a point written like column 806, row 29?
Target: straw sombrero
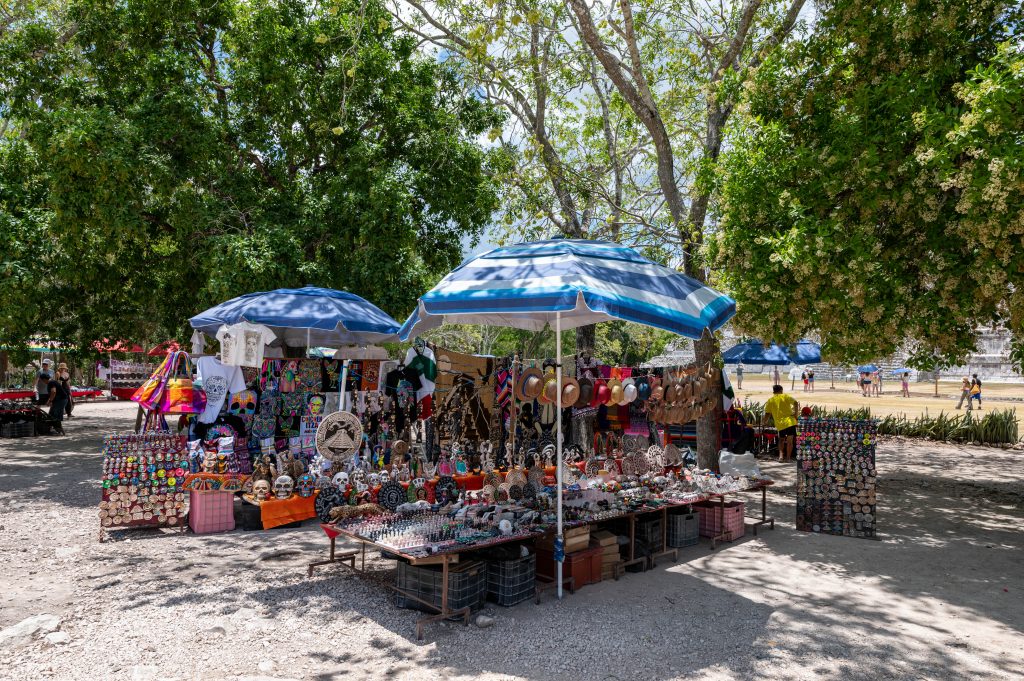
column 549, row 392
column 570, row 391
column 529, row 386
column 614, row 392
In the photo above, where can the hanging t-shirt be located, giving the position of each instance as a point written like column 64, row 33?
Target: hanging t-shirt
column 218, row 380
column 422, row 361
column 244, row 344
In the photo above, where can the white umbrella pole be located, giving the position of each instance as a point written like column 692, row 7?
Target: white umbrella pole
column 558, row 443
column 341, row 385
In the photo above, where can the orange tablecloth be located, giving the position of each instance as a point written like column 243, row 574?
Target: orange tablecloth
column 276, row 512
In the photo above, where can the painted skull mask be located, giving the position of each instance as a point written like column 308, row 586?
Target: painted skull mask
column 283, row 487
column 305, row 485
column 261, row 490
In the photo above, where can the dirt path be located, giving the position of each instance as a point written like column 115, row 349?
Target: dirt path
column 939, row 595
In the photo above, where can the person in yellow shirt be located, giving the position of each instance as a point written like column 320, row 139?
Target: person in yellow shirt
column 784, row 410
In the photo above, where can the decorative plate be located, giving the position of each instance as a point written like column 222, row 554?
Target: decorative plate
column 626, row 466
column 501, row 494
column 391, row 495
column 593, row 467
column 516, row 477
column 339, row 436
column 672, row 455
column 631, row 443
column 515, row 492
column 493, row 479
column 656, row 456
column 446, row 490
column 329, row 497
column 639, row 463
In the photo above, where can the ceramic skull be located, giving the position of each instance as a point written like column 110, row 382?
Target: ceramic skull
column 261, row 490
column 374, row 479
column 305, row 485
column 385, row 477
column 283, row 487
column 340, row 480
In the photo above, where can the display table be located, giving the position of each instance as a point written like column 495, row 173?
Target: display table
column 277, row 512
column 449, row 555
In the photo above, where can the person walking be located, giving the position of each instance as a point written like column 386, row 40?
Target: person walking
column 56, row 400
column 905, row 384
column 776, row 376
column 810, row 379
column 739, row 377
column 803, row 377
column 43, row 377
column 878, row 383
column 865, row 383
column 975, row 390
column 783, row 410
column 64, row 376
column 965, row 392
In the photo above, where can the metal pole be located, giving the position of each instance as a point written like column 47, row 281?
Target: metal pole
column 559, row 539
column 512, row 411
column 341, row 385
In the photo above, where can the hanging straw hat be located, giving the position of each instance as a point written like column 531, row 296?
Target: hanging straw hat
column 586, row 386
column 657, row 389
column 529, row 386
column 629, row 391
column 615, row 392
column 570, row 391
column 550, row 390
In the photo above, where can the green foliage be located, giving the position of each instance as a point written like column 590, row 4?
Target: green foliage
column 879, row 198
column 160, row 157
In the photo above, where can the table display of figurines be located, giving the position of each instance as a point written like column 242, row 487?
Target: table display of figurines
column 836, row 476
column 143, row 478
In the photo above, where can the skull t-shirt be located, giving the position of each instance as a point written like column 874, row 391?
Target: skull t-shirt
column 217, row 380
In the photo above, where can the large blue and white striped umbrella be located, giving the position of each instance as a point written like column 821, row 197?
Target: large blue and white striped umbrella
column 528, row 285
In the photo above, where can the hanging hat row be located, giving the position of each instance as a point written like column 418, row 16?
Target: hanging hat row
column 684, row 397
column 535, row 384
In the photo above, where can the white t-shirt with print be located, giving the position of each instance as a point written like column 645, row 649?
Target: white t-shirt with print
column 218, row 381
column 243, row 344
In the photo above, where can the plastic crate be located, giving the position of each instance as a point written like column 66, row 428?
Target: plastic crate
column 511, row 581
column 732, row 515
column 210, row 512
column 18, row 429
column 683, row 529
column 467, row 585
column 649, row 532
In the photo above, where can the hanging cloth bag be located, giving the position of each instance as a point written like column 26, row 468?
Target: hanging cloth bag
column 151, row 392
column 180, row 396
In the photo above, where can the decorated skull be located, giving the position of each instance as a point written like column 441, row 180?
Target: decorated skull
column 385, row 477
column 323, row 482
column 261, row 490
column 340, row 480
column 305, row 485
column 359, row 477
column 283, row 487
column 210, row 461
column 374, row 479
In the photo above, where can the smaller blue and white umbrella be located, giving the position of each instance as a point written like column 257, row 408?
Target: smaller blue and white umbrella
column 304, row 317
column 867, row 368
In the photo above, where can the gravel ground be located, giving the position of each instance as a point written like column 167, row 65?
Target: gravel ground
column 939, row 596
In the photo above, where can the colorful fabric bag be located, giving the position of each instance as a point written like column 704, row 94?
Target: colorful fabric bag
column 180, row 396
column 151, row 392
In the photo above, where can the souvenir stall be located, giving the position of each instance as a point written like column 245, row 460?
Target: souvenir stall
column 533, row 487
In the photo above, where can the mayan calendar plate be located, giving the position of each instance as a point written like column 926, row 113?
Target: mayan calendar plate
column 338, row 436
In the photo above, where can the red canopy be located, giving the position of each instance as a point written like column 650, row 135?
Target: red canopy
column 107, row 345
column 164, row 348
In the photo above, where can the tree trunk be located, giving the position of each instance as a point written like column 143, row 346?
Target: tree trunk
column 705, row 350
column 586, row 337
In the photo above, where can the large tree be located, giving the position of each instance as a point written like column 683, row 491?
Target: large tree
column 157, row 157
column 880, row 197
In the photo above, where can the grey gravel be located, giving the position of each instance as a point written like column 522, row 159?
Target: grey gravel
column 938, row 596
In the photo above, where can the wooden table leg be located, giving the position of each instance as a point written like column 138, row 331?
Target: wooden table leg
column 765, row 520
column 632, row 543
column 722, row 533
column 348, row 557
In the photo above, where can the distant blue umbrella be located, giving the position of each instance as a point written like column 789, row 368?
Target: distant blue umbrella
column 304, row 317
column 805, row 352
column 867, row 368
column 900, row 371
column 753, row 352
